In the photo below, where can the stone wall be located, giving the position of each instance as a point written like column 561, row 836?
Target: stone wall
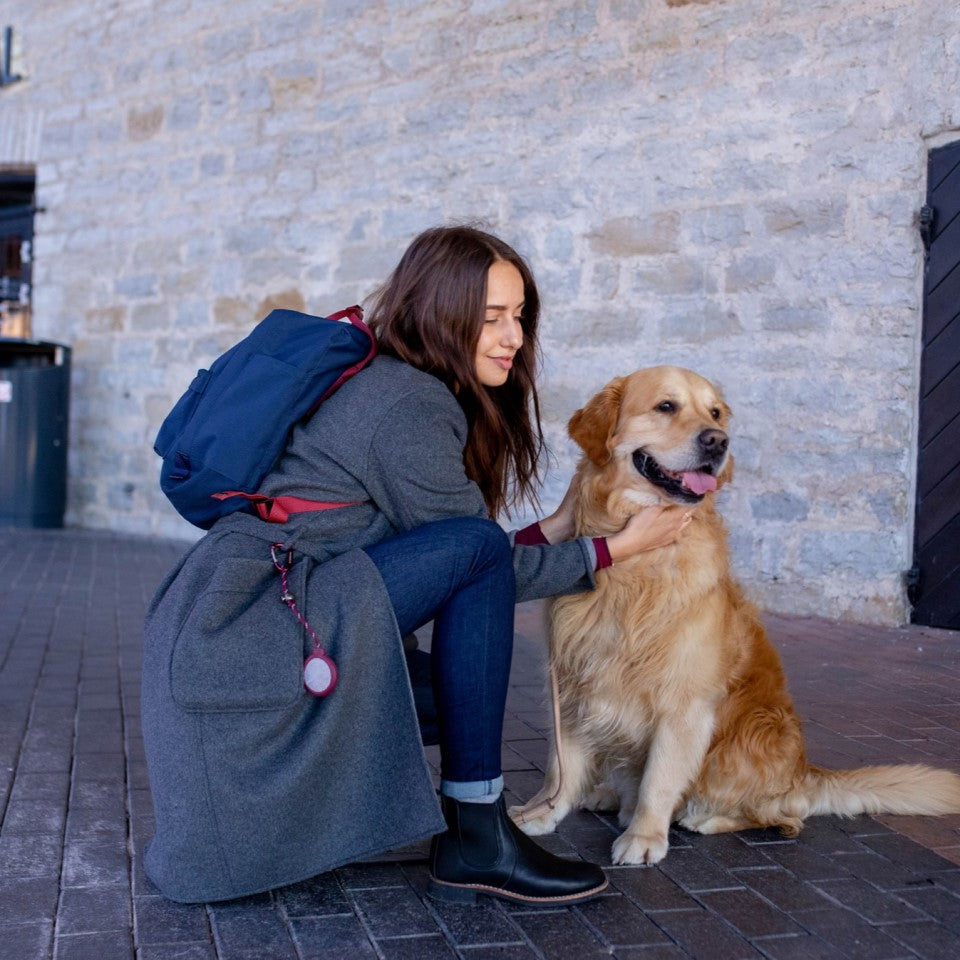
column 727, row 185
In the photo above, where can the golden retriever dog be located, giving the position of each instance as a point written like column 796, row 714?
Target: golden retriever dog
column 673, row 702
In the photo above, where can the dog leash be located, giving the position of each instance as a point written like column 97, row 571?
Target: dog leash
column 550, row 803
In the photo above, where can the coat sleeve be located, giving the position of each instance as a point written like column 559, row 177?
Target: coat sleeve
column 415, row 475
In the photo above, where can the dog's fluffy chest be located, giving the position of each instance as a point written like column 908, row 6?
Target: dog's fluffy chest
column 615, row 646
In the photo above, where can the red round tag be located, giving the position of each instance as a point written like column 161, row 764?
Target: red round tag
column 319, row 674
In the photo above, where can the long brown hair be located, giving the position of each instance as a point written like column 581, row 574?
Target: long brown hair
column 430, row 313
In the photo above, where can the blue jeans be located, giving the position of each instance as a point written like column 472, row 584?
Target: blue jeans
column 459, row 573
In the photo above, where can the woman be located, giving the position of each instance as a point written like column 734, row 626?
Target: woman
column 255, row 782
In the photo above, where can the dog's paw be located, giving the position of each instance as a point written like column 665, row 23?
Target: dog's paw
column 533, row 826
column 602, row 798
column 631, row 848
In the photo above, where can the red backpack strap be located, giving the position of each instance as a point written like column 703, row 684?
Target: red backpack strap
column 279, row 509
column 355, row 315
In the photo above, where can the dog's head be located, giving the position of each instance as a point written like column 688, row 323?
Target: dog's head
column 662, row 431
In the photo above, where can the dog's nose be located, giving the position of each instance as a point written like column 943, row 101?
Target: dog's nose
column 714, row 442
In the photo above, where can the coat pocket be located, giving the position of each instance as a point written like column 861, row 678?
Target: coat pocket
column 240, row 647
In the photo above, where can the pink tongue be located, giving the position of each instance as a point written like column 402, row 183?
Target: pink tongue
column 699, row 483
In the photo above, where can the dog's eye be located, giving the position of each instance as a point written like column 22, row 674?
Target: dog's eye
column 715, row 413
column 668, row 406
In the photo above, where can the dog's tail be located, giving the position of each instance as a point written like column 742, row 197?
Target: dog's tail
column 907, row 789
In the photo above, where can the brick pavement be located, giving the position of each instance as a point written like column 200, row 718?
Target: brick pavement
column 76, row 808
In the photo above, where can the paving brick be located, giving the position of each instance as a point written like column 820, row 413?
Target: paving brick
column 619, row 922
column 782, row 889
column 90, row 862
column 27, row 941
column 95, row 823
column 650, row 888
column 471, row 926
column 252, row 935
column 28, row 901
column 361, row 876
column 588, row 835
column 26, row 815
column 851, row 934
column 667, row 952
column 160, row 921
column 560, row 934
column 904, row 851
column 949, row 881
column 695, row 872
column 178, row 951
column 869, row 903
column 804, row 863
column 416, row 948
column 93, row 910
column 937, row 903
column 704, row 936
column 931, row 941
column 40, row 786
column 29, row 856
column 95, row 946
column 503, row 952
column 805, row 947
column 879, row 871
column 319, row 896
column 749, row 913
column 394, row 912
column 730, row 851
column 331, row 937
column 824, row 835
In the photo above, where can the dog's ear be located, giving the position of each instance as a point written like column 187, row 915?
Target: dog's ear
column 592, row 426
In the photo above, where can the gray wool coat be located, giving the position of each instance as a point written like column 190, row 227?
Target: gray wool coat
column 255, row 782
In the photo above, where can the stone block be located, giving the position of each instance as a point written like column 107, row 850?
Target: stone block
column 863, row 553
column 805, row 216
column 698, row 322
column 794, row 319
column 144, row 122
column 184, row 114
column 227, row 43
column 749, row 272
column 633, row 236
column 779, row 506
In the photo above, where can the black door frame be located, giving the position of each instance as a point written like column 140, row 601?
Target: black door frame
column 935, row 577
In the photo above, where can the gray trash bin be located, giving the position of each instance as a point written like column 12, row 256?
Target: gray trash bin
column 34, row 411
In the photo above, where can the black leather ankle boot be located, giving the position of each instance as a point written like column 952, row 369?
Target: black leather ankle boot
column 483, row 851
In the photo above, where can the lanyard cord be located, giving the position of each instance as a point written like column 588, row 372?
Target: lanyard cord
column 287, row 597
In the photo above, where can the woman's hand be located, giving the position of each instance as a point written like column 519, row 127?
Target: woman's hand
column 652, row 527
column 560, row 525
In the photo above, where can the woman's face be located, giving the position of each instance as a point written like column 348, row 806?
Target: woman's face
column 502, row 333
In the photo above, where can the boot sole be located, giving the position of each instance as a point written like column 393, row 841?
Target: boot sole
column 468, row 893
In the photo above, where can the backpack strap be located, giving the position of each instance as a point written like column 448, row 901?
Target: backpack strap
column 355, row 315
column 279, row 509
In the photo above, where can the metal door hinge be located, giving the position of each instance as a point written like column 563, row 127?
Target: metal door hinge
column 6, row 58
column 911, row 580
column 927, row 219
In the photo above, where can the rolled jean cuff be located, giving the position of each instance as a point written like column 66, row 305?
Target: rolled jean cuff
column 472, row 789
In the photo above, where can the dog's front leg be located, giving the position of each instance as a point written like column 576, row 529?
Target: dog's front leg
column 557, row 796
column 679, row 744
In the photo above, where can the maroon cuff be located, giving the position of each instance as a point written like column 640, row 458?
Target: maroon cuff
column 531, row 536
column 603, row 553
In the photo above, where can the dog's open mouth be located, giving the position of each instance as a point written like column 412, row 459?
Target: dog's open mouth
column 688, row 485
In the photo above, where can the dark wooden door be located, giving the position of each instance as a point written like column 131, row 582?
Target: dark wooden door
column 936, row 593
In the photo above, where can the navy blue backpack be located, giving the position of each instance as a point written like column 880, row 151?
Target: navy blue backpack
column 228, row 429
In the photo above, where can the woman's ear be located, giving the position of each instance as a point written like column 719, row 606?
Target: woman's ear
column 593, row 425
